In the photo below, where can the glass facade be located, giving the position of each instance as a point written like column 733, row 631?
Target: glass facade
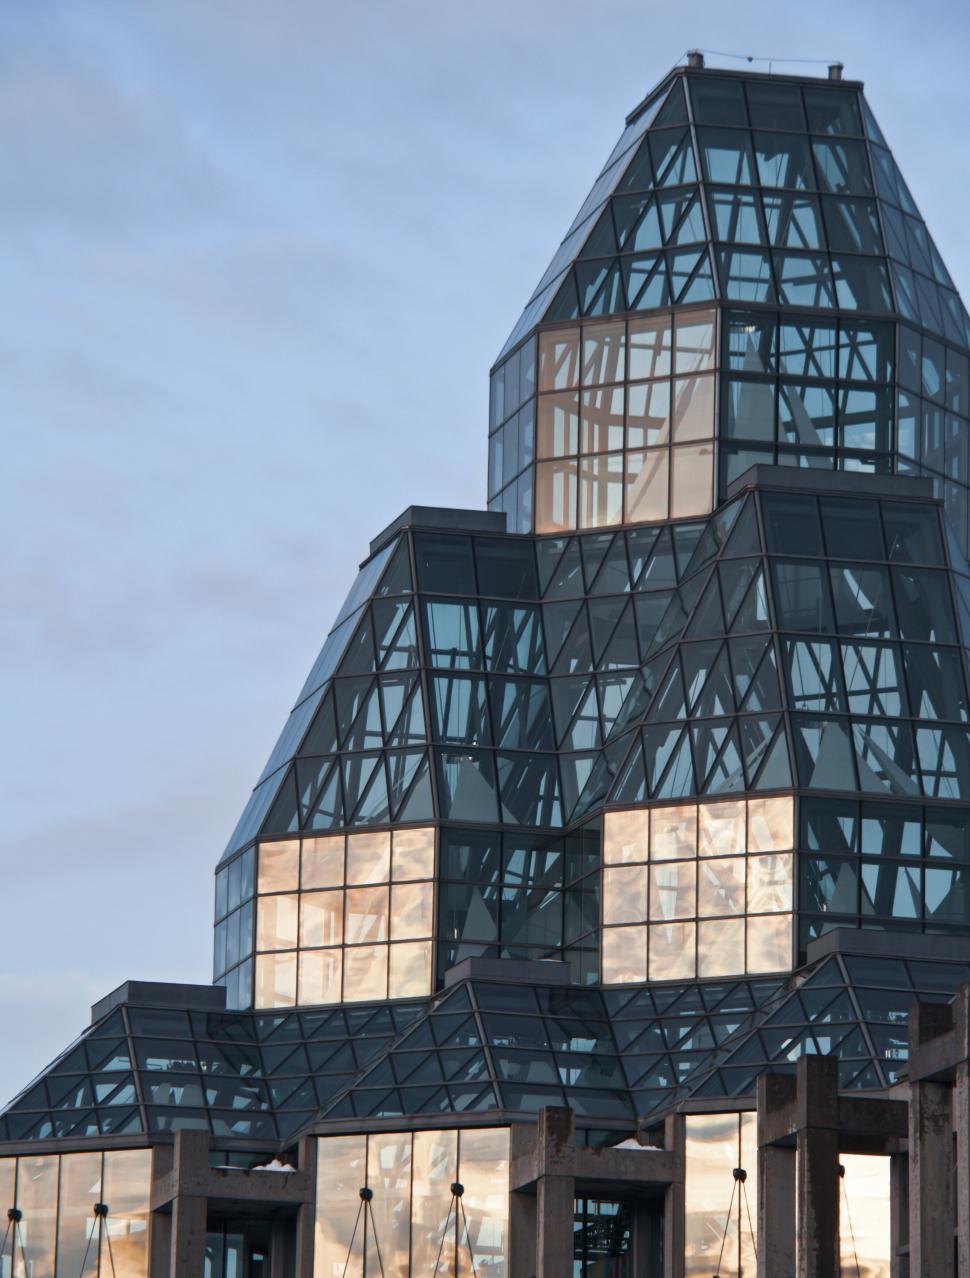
column 415, row 1222
column 690, row 696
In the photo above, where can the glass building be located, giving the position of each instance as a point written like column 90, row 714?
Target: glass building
column 606, row 809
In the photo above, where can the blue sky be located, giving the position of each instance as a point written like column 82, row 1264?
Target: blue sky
column 256, row 260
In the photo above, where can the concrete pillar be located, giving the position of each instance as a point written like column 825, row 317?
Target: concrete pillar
column 675, row 1199
column 306, row 1214
column 776, row 1181
column 898, row 1216
column 279, row 1236
column 189, row 1211
column 522, row 1235
column 817, row 1151
column 556, row 1192
column 961, row 1126
column 930, row 1188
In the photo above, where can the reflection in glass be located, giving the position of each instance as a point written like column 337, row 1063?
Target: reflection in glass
column 673, row 832
column 769, row 943
column 625, row 836
column 771, row 824
column 409, row 969
column 716, row 1144
column 625, row 894
column 341, row 1172
column 369, row 858
column 277, row 922
column 412, row 911
column 769, row 883
column 37, row 1200
column 276, row 980
column 720, row 947
column 366, row 915
column 484, row 1171
column 865, row 1203
column 365, row 973
column 624, row 955
column 77, row 1225
column 323, row 862
column 673, row 891
column 721, row 829
column 127, row 1187
column 389, row 1176
column 320, row 972
column 671, row 951
column 321, row 918
column 279, row 866
column 720, row 886
column 434, row 1168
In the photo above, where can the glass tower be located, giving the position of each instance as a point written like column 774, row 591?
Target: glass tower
column 683, row 713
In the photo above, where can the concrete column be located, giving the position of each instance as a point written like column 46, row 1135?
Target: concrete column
column 556, row 1192
column 306, row 1214
column 817, row 1151
column 188, row 1236
column 930, row 1189
column 522, row 1235
column 776, row 1211
column 898, row 1216
column 961, row 1126
column 776, row 1179
column 279, row 1236
column 189, row 1212
column 675, row 1199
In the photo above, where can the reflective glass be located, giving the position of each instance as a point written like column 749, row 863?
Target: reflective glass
column 322, row 864
column 673, row 832
column 279, row 866
column 625, row 836
column 409, row 969
column 559, row 360
column 624, row 955
column 720, row 888
column 770, row 887
column 625, row 894
column 321, row 918
column 277, row 922
column 77, row 1225
column 413, row 854
column 720, row 947
column 338, row 1249
column 434, row 1169
column 721, row 829
column 784, row 160
column 365, row 973
column 671, row 949
column 769, row 939
column 389, row 1177
column 771, row 824
column 727, row 156
column 320, row 976
column 673, row 891
column 127, row 1191
column 650, row 347
column 366, row 915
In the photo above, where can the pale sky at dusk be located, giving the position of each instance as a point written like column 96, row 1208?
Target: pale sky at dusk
column 256, row 260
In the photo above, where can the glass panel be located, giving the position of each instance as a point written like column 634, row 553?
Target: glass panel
column 557, row 425
column 624, row 955
column 413, row 854
column 771, row 824
column 434, row 1168
column 276, row 980
column 625, row 836
column 409, row 972
column 770, row 943
column 673, row 832
column 365, row 973
column 601, row 491
column 720, row 888
column 673, row 890
column 671, row 951
column 366, row 915
column 650, row 347
column 727, row 156
column 77, row 1225
column 127, row 1189
column 389, row 1176
column 321, row 918
column 712, row 1202
column 559, row 360
column 842, row 167
column 784, row 160
column 412, row 911
column 867, row 1245
column 484, row 1171
column 736, row 216
column 320, row 973
column 556, row 489
column 369, row 857
column 691, row 480
column 770, row 883
column 277, row 922
column 625, row 894
column 279, row 866
column 342, row 1168
column 721, row 829
column 793, row 221
column 323, row 862
column 693, row 408
column 720, row 948
column 604, row 353
column 646, row 485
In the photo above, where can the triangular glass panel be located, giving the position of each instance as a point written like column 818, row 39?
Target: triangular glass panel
column 670, row 704
column 567, row 694
column 639, row 172
column 686, row 537
column 756, row 737
column 753, row 612
column 727, row 774
column 309, row 774
column 284, row 815
column 713, row 537
column 402, row 768
column 775, row 773
column 322, row 735
column 351, row 695
column 717, row 698
column 366, row 731
column 646, row 281
column 610, row 298
column 359, row 657
column 630, row 785
column 620, row 650
column 651, row 610
column 736, row 576
column 590, row 278
column 642, row 232
column 575, row 655
column 697, row 659
column 746, row 655
column 674, row 109
column 328, row 810
column 700, row 286
column 659, row 745
column 559, row 619
column 707, row 618
column 763, row 692
column 639, row 544
column 358, row 770
column 661, row 570
column 395, row 690
column 419, row 805
column 565, row 305
column 397, row 575
column 708, row 739
column 400, row 651
column 602, row 240
column 613, row 577
column 614, row 690
column 744, row 539
column 575, row 770
column 681, row 217
column 565, row 577
column 673, row 157
column 678, row 780
column 681, row 269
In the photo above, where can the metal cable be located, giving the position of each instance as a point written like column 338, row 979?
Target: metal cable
column 350, row 1249
column 468, row 1238
column 377, row 1241
column 727, row 1226
column 848, row 1216
column 444, row 1235
column 747, row 1208
column 750, row 57
column 107, row 1239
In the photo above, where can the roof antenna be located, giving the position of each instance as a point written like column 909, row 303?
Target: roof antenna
column 695, row 59
column 835, row 70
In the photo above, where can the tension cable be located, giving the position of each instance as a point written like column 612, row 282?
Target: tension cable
column 848, row 1217
column 738, row 1187
column 366, row 1205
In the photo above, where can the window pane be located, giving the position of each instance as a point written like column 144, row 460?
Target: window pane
column 691, row 480
column 671, row 951
column 746, row 276
column 279, row 866
column 852, row 225
column 651, row 344
column 127, row 1189
column 366, row 915
column 801, row 597
column 625, row 894
column 559, row 360
column 320, row 972
column 77, row 1225
column 276, row 980
column 277, row 922
column 749, row 409
column 409, row 973
column 793, row 221
column 321, row 918
column 694, row 342
column 771, row 824
column 412, row 911
column 601, row 421
column 648, row 414
column 784, row 160
column 673, row 832
column 720, row 886
column 389, row 1176
column 369, row 857
column 842, row 167
column 721, row 829
column 720, row 947
column 337, row 1244
column 770, row 883
column 646, row 485
column 625, row 836
column 413, row 854
column 727, row 156
column 323, row 862
column 693, row 413
column 604, row 353
column 365, row 973
column 736, row 216
column 770, row 943
column 556, row 488
column 557, row 424
column 601, row 491
column 624, row 955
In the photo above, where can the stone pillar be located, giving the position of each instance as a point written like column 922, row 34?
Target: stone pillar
column 930, row 1190
column 817, row 1150
column 556, row 1192
column 522, row 1235
column 776, row 1182
column 306, row 1215
column 898, row 1216
column 675, row 1199
column 189, row 1211
column 961, row 1127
